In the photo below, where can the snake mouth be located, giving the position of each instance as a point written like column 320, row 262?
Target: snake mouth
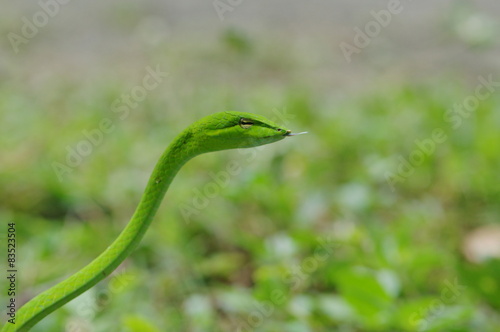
column 289, row 133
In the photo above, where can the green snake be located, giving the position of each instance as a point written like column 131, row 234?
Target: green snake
column 219, row 131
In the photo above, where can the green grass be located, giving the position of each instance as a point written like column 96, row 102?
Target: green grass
column 308, row 236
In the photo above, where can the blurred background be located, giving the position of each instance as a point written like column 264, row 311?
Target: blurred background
column 385, row 217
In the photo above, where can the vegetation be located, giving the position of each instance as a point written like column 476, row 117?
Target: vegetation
column 361, row 225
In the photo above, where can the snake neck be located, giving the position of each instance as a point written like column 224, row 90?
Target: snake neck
column 181, row 150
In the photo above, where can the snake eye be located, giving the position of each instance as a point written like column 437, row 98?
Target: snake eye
column 245, row 123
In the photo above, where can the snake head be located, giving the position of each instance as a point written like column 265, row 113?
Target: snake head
column 233, row 130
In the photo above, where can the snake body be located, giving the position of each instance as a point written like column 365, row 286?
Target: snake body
column 219, row 131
